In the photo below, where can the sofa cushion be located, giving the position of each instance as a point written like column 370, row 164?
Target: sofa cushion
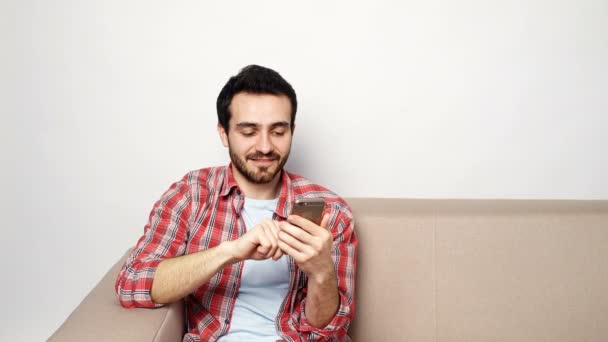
column 101, row 318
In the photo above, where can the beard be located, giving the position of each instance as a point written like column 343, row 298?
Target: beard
column 258, row 174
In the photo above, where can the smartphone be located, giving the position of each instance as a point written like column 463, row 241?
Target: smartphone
column 310, row 209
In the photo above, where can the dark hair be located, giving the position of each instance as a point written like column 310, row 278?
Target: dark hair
column 257, row 80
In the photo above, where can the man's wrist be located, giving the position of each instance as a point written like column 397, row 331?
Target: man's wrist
column 226, row 252
column 324, row 277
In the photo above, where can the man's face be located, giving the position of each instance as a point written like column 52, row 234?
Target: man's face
column 259, row 135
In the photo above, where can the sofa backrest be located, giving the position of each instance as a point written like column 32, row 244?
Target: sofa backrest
column 481, row 270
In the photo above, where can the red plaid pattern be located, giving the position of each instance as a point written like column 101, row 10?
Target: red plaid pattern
column 202, row 210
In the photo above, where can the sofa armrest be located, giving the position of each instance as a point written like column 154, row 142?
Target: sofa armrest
column 100, row 317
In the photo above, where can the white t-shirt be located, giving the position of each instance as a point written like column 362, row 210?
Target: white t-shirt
column 264, row 285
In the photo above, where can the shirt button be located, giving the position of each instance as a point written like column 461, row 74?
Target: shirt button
column 227, row 321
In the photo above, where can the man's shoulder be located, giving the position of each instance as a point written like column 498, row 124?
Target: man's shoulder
column 305, row 188
column 208, row 177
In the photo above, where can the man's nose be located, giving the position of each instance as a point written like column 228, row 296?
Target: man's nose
column 264, row 144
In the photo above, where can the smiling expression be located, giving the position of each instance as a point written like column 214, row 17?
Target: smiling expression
column 259, row 135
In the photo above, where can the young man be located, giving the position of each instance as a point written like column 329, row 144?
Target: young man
column 223, row 239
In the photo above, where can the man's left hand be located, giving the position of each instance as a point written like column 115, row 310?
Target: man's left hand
column 309, row 244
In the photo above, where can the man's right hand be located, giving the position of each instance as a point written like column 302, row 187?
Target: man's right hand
column 259, row 243
column 177, row 277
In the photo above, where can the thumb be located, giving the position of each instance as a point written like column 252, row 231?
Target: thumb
column 325, row 221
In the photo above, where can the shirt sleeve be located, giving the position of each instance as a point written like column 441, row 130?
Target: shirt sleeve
column 164, row 237
column 344, row 256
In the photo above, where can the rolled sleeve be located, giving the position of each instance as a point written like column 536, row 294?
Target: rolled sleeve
column 164, row 237
column 338, row 327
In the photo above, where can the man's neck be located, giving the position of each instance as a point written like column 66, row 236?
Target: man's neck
column 258, row 191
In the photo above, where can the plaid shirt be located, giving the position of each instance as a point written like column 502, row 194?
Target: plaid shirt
column 202, row 210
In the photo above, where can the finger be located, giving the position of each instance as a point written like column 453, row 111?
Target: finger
column 294, row 243
column 278, row 254
column 296, row 255
column 325, row 221
column 274, row 226
column 305, row 224
column 272, row 239
column 296, row 232
column 274, row 229
column 264, row 245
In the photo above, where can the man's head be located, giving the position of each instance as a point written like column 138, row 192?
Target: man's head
column 256, row 118
column 254, row 79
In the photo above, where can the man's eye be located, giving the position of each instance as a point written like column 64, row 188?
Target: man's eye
column 278, row 133
column 248, row 133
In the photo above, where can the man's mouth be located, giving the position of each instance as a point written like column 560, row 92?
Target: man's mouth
column 263, row 161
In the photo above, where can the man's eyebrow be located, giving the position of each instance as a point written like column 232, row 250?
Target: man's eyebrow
column 280, row 124
column 247, row 124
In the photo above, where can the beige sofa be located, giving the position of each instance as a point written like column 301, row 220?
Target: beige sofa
column 437, row 270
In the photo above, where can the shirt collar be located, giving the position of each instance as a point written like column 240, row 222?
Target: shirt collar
column 286, row 196
column 229, row 182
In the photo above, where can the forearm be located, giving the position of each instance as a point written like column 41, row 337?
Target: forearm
column 177, row 277
column 322, row 300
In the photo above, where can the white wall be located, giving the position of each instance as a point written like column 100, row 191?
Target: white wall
column 106, row 103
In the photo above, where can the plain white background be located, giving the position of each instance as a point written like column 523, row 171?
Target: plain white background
column 106, row 103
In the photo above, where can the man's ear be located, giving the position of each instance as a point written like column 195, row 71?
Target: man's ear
column 293, row 129
column 223, row 134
